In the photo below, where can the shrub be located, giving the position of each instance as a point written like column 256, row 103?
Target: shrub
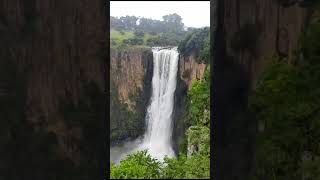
column 139, row 33
column 137, row 165
column 133, row 41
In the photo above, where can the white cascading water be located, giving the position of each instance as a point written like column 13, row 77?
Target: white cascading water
column 157, row 138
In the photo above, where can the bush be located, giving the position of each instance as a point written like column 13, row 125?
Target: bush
column 133, row 41
column 194, row 42
column 199, row 99
column 286, row 103
column 139, row 33
column 153, row 33
column 138, row 165
column 204, row 54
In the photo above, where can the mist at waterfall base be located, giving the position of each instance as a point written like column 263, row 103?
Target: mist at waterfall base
column 157, row 138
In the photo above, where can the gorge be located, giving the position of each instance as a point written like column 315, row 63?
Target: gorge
column 157, row 138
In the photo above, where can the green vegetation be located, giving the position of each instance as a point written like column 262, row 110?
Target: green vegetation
column 118, row 36
column 197, row 42
column 138, row 165
column 127, row 39
column 199, row 96
column 170, row 23
column 130, row 31
column 194, row 165
column 286, row 106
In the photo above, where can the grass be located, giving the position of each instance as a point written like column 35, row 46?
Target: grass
column 118, row 38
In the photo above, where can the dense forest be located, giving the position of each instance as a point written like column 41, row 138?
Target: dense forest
column 193, row 160
column 131, row 31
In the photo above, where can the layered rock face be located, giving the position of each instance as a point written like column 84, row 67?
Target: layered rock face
column 249, row 33
column 188, row 71
column 57, row 48
column 131, row 81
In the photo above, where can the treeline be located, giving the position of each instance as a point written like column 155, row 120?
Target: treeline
column 170, row 23
column 149, row 32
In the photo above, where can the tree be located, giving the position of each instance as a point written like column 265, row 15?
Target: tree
column 138, row 165
column 173, row 22
column 194, row 42
column 130, row 22
column 139, row 33
column 116, row 23
column 133, row 41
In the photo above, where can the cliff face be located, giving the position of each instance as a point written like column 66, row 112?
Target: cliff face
column 58, row 50
column 255, row 30
column 131, row 81
column 188, row 70
column 131, row 84
column 248, row 34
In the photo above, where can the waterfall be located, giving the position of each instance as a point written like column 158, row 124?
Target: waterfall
column 157, row 138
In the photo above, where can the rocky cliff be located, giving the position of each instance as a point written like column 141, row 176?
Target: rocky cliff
column 53, row 55
column 248, row 34
column 131, row 81
column 188, row 70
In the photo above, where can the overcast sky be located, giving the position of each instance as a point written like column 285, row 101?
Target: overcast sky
column 193, row 13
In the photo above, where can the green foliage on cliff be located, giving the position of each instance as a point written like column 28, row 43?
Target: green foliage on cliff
column 286, row 106
column 204, row 54
column 197, row 42
column 199, row 100
column 198, row 120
